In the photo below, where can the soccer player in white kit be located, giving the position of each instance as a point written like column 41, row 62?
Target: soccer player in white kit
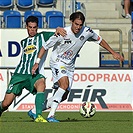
column 63, row 57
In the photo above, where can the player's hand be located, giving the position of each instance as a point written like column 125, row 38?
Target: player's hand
column 34, row 68
column 118, row 57
column 60, row 31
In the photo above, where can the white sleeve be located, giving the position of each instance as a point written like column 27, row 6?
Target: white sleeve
column 93, row 36
column 97, row 38
column 51, row 42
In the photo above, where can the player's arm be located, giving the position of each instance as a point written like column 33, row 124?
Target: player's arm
column 116, row 55
column 104, row 44
column 40, row 55
column 48, row 44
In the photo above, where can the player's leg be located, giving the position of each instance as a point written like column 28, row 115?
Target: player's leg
column 57, row 98
column 14, row 89
column 8, row 99
column 63, row 83
column 39, row 99
column 64, row 97
column 47, row 103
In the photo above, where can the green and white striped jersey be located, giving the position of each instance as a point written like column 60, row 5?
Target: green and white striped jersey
column 30, row 49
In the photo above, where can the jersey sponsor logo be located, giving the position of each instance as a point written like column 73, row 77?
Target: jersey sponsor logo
column 30, row 49
column 67, row 41
column 63, row 67
column 66, row 55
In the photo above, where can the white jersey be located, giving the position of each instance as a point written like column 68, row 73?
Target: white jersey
column 66, row 48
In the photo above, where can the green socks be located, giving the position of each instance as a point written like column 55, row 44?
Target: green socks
column 39, row 102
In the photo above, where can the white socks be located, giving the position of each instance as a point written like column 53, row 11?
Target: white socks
column 56, row 100
column 52, row 102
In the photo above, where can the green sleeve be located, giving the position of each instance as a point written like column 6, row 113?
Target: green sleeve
column 47, row 35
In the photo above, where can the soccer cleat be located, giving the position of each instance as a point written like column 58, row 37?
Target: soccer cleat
column 40, row 119
column 52, row 119
column 32, row 115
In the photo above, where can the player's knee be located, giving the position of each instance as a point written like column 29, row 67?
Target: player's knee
column 40, row 84
column 64, row 83
column 40, row 87
column 5, row 104
column 64, row 86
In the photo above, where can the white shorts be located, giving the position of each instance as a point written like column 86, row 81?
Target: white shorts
column 60, row 70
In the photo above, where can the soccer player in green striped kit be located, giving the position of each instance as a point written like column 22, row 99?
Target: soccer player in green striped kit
column 22, row 77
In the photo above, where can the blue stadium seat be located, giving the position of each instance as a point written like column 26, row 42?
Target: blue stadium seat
column 12, row 19
column 6, row 3
column 78, row 5
column 46, row 2
column 37, row 14
column 54, row 19
column 25, row 3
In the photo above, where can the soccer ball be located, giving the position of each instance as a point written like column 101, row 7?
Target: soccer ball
column 87, row 109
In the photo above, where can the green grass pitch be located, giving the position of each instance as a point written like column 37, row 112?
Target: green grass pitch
column 71, row 122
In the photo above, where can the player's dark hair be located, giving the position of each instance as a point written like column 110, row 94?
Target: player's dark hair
column 77, row 15
column 32, row 19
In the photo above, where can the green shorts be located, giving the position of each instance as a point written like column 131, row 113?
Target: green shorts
column 20, row 81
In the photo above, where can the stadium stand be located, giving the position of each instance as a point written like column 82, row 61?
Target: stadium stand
column 12, row 19
column 37, row 14
column 54, row 19
column 46, row 3
column 101, row 14
column 6, row 3
column 25, row 3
